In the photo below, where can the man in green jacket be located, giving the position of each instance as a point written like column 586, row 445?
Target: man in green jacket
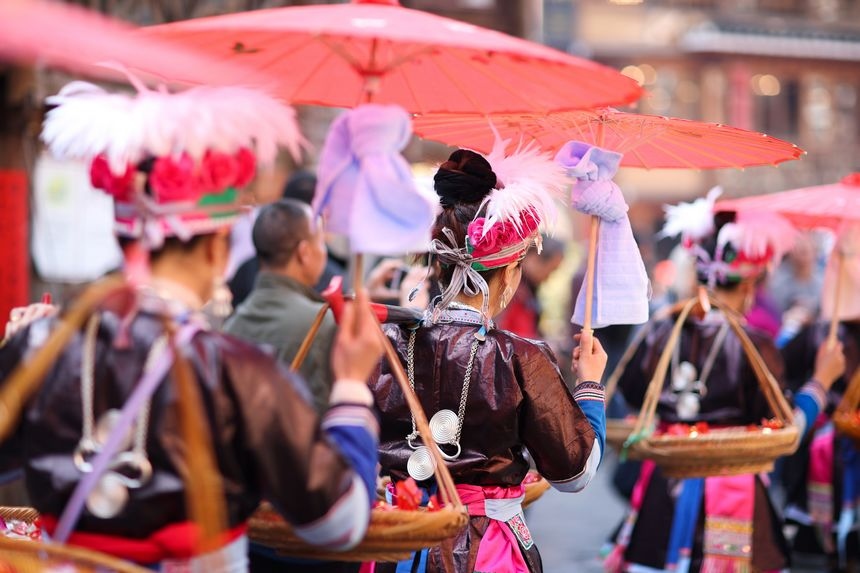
column 279, row 312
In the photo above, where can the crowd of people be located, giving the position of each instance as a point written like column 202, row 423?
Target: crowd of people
column 314, row 441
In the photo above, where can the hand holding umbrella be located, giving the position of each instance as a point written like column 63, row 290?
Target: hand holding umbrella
column 616, row 287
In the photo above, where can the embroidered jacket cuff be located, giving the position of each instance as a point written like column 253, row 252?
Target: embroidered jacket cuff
column 589, row 391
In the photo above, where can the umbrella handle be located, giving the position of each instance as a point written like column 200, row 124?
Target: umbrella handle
column 834, row 317
column 589, row 273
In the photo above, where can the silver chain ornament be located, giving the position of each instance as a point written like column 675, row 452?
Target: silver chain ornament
column 130, row 469
column 446, row 427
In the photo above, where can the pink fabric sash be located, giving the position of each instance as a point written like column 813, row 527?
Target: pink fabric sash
column 499, row 550
column 820, row 481
column 729, row 503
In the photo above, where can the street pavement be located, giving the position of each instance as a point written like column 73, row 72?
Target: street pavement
column 570, row 528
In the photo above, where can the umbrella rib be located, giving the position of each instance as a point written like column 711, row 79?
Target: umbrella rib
column 456, row 83
column 320, row 65
column 681, row 161
column 412, row 92
column 487, row 72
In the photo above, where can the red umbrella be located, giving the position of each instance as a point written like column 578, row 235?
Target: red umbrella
column 828, row 206
column 810, row 207
column 647, row 141
column 346, row 54
column 69, row 37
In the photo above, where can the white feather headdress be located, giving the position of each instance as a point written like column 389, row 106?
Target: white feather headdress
column 758, row 235
column 693, row 221
column 127, row 128
column 529, row 180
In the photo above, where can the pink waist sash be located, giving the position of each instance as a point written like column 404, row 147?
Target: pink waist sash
column 500, row 550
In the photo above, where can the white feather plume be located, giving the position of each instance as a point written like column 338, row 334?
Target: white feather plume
column 89, row 121
column 755, row 233
column 693, row 221
column 529, row 179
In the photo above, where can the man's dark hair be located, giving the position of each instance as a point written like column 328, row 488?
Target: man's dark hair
column 279, row 229
column 301, row 186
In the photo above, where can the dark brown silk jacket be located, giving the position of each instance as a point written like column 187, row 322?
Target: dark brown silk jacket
column 733, row 396
column 268, row 441
column 517, row 401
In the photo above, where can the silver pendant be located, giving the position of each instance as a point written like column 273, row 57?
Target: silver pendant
column 687, row 406
column 683, row 377
column 83, row 453
column 105, row 426
column 444, row 425
column 108, row 497
column 136, row 469
column 420, row 465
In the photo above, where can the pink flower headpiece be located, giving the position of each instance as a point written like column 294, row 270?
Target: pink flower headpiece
column 172, row 162
column 521, row 207
column 744, row 247
column 514, row 214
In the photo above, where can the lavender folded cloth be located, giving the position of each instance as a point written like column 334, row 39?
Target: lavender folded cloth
column 365, row 187
column 621, row 286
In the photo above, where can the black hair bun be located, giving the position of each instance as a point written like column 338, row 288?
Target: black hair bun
column 466, row 177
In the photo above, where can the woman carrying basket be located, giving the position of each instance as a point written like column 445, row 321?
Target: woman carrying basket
column 822, row 479
column 713, row 524
column 173, row 164
column 490, row 395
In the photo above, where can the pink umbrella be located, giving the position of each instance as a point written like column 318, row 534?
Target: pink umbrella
column 69, row 37
column 828, row 206
column 343, row 55
column 647, row 141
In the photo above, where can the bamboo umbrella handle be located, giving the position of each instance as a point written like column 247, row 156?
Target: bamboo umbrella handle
column 589, row 273
column 300, row 356
column 834, row 318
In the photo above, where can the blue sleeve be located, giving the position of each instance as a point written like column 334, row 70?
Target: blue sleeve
column 353, row 429
column 809, row 403
column 590, row 396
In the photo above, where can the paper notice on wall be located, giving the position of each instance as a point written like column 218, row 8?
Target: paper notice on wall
column 73, row 239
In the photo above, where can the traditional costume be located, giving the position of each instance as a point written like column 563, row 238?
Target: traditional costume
column 822, row 480
column 173, row 164
column 492, row 396
column 713, row 524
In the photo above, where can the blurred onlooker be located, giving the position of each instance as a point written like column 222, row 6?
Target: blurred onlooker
column 282, row 306
column 300, row 187
column 797, row 281
column 523, row 313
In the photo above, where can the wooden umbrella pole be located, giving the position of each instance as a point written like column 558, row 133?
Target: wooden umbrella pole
column 591, row 262
column 447, row 489
column 589, row 272
column 357, row 272
column 299, row 359
column 834, row 318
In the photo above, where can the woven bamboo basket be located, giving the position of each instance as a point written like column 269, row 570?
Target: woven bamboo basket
column 845, row 418
column 393, row 534
column 617, row 431
column 535, row 491
column 20, row 556
column 719, row 452
column 205, row 499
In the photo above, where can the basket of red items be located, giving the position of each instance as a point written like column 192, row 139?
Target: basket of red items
column 698, row 450
column 846, row 418
column 395, row 530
